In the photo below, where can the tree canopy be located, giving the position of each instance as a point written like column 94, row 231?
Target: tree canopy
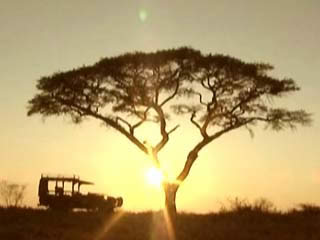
column 219, row 93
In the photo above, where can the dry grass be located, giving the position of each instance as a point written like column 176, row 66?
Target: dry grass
column 238, row 221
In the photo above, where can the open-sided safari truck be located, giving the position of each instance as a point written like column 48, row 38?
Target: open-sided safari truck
column 63, row 193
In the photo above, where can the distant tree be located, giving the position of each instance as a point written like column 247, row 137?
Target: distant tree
column 216, row 93
column 12, row 194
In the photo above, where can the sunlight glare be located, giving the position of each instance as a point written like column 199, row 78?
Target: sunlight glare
column 154, row 176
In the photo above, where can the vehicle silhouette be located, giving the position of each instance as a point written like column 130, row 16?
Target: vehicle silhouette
column 60, row 198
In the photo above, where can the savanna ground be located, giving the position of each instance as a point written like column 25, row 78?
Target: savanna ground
column 240, row 221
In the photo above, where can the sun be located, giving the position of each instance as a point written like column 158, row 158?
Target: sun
column 154, row 176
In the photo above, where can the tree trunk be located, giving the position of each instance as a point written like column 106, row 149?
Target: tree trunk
column 170, row 190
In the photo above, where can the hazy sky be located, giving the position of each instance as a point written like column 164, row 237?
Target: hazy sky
column 40, row 37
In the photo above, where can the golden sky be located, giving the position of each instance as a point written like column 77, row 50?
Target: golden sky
column 40, row 37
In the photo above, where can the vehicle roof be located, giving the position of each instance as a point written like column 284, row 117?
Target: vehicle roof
column 74, row 179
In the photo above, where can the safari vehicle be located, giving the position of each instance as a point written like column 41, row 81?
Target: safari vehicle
column 66, row 195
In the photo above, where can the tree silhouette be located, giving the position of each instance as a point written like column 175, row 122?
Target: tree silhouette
column 217, row 93
column 12, row 193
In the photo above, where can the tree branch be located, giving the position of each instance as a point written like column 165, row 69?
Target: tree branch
column 153, row 153
column 125, row 122
column 173, row 129
column 245, row 100
column 106, row 120
column 203, row 84
column 202, row 131
column 143, row 119
column 164, row 134
column 200, row 98
column 193, row 154
column 175, row 90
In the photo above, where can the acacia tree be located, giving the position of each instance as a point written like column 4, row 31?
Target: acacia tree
column 217, row 93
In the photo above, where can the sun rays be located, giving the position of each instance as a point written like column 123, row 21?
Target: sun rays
column 109, row 223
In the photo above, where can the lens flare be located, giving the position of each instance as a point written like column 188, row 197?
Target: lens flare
column 143, row 15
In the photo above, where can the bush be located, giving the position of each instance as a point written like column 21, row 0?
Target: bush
column 306, row 209
column 237, row 205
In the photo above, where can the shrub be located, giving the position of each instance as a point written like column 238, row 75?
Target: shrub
column 237, row 205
